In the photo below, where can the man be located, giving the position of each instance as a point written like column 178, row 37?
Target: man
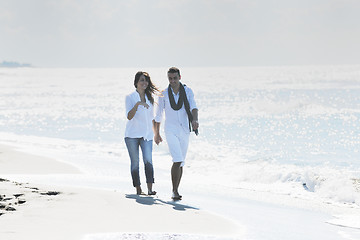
column 181, row 114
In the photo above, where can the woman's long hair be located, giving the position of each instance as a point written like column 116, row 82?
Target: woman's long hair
column 151, row 88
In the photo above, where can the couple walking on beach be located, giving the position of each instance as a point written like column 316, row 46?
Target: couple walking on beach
column 181, row 116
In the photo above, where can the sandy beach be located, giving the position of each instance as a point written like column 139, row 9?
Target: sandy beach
column 33, row 211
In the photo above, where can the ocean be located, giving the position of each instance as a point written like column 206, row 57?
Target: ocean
column 290, row 130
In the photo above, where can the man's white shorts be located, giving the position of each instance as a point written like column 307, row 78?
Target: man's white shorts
column 178, row 144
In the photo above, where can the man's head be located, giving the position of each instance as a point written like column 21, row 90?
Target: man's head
column 174, row 70
column 174, row 77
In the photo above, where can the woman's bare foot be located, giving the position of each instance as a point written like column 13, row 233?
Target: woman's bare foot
column 151, row 192
column 139, row 191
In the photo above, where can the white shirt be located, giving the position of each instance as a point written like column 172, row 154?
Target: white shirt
column 140, row 126
column 175, row 121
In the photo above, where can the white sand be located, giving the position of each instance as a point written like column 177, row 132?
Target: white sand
column 78, row 213
column 92, row 214
column 15, row 162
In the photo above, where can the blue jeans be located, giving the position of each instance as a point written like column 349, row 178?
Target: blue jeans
column 132, row 145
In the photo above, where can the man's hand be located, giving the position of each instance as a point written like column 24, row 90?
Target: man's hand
column 157, row 139
column 195, row 124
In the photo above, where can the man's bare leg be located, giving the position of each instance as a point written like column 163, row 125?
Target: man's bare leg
column 176, row 174
column 181, row 172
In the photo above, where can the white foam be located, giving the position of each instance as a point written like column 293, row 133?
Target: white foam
column 351, row 221
column 151, row 236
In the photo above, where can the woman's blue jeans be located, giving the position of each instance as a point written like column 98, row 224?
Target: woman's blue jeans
column 132, row 145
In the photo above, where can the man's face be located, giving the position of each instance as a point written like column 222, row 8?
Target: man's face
column 174, row 79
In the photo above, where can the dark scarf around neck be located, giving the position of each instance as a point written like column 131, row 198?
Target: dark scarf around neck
column 182, row 100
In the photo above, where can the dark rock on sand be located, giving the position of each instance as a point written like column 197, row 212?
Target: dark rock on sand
column 6, row 199
column 50, row 193
column 9, row 208
column 21, row 201
column 18, row 195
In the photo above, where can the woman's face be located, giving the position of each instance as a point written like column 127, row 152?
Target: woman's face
column 142, row 84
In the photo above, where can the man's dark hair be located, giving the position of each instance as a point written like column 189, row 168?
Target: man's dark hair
column 174, row 70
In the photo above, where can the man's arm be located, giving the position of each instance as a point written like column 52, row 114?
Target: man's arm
column 194, row 110
column 195, row 122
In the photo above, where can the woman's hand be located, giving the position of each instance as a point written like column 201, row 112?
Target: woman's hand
column 132, row 112
column 143, row 104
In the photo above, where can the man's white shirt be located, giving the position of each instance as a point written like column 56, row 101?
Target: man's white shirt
column 175, row 121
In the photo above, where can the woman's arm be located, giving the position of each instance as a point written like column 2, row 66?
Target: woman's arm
column 158, row 117
column 133, row 111
column 156, row 129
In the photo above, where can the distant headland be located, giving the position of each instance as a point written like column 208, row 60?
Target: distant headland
column 14, row 64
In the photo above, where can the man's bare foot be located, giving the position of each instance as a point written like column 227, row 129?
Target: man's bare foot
column 176, row 196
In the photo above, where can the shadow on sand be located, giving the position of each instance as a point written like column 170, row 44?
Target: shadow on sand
column 147, row 200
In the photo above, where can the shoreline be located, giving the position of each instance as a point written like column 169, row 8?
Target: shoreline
column 13, row 161
column 97, row 210
column 77, row 213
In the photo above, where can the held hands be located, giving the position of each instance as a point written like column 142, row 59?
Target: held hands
column 157, row 139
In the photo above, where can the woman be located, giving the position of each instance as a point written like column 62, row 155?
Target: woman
column 139, row 131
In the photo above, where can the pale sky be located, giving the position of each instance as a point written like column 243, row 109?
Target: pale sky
column 191, row 33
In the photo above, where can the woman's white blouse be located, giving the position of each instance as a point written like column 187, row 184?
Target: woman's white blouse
column 140, row 126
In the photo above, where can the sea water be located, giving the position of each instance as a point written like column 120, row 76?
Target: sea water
column 280, row 129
